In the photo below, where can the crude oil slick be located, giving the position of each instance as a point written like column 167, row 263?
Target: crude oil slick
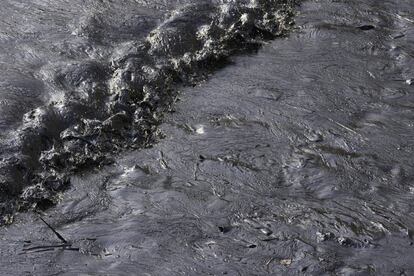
column 191, row 138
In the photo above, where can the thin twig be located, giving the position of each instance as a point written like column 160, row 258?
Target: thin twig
column 45, row 247
column 54, row 231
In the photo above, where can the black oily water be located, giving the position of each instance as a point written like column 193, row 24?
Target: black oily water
column 122, row 101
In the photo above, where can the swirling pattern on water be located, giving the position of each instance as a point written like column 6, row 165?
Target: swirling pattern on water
column 106, row 80
column 296, row 159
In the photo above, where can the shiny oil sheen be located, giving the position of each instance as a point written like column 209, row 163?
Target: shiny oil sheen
column 294, row 159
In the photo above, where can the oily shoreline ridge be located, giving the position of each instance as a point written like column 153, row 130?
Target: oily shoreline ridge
column 115, row 105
